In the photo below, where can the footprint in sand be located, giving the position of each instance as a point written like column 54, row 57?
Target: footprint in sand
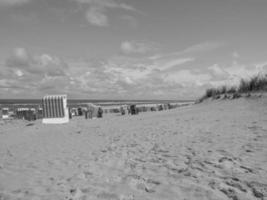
column 76, row 194
column 259, row 190
column 139, row 183
column 230, row 193
column 248, row 148
column 235, row 183
column 236, row 189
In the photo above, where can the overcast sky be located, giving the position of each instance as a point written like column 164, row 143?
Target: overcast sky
column 129, row 49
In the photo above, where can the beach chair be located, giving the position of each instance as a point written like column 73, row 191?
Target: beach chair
column 92, row 110
column 39, row 113
column 21, row 113
column 5, row 113
column 55, row 109
column 133, row 109
column 123, row 110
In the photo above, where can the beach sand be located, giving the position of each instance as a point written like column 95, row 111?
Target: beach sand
column 212, row 150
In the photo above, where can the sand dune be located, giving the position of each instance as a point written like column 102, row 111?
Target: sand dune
column 212, row 150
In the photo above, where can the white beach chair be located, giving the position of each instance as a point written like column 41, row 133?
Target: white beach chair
column 55, row 109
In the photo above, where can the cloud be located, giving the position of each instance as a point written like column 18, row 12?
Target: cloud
column 238, row 71
column 121, row 76
column 188, row 78
column 175, row 63
column 232, row 74
column 262, row 66
column 235, row 55
column 217, row 70
column 25, row 74
column 19, row 73
column 203, row 47
column 19, row 57
column 136, row 47
column 24, row 63
column 106, row 4
column 96, row 16
column 13, row 2
column 147, row 78
column 194, row 49
column 97, row 10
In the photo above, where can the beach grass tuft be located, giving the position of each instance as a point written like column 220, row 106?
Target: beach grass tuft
column 257, row 83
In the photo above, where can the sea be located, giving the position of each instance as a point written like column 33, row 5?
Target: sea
column 100, row 102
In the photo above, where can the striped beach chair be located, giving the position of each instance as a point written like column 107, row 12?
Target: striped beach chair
column 55, row 109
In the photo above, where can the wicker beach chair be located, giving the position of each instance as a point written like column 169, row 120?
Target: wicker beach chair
column 55, row 109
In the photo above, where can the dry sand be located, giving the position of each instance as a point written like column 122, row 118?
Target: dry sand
column 212, row 150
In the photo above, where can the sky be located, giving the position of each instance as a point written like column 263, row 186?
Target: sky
column 129, row 49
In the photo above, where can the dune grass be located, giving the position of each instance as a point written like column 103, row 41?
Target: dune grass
column 255, row 84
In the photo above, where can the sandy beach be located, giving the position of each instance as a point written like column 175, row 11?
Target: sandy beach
column 212, row 150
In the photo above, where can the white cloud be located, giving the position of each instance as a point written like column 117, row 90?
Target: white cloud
column 97, row 10
column 235, row 55
column 188, row 78
column 120, row 76
column 203, row 47
column 231, row 75
column 197, row 48
column 21, row 53
column 4, row 83
column 19, row 58
column 262, row 66
column 13, row 2
column 217, row 70
column 174, row 63
column 43, row 64
column 128, row 80
column 238, row 71
column 107, row 4
column 135, row 47
column 96, row 16
column 19, row 73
